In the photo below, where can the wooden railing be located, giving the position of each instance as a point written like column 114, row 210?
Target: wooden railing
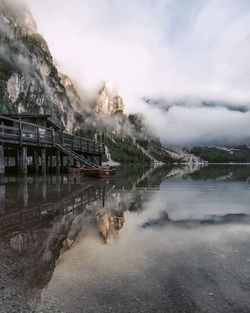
column 31, row 217
column 32, row 134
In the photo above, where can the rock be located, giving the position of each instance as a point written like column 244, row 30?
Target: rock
column 29, row 80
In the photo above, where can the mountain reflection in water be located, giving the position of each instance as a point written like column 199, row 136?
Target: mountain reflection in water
column 59, row 233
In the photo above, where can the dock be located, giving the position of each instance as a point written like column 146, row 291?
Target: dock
column 33, row 141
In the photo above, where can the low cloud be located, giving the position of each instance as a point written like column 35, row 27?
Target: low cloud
column 185, row 126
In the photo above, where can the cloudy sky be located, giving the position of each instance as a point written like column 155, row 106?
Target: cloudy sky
column 192, row 56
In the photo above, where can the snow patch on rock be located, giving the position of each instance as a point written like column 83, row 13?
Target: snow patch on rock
column 184, row 156
column 110, row 162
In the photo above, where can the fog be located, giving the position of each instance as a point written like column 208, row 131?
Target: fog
column 180, row 51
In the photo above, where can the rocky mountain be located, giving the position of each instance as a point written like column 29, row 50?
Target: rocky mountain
column 108, row 103
column 29, row 80
column 220, row 154
column 75, row 100
column 31, row 83
column 127, row 137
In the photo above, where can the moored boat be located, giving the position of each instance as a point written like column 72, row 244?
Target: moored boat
column 100, row 172
column 74, row 170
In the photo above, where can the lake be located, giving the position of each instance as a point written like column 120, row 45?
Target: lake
column 150, row 240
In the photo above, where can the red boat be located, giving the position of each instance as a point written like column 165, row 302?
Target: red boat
column 74, row 171
column 99, row 172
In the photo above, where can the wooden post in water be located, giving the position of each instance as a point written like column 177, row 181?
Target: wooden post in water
column 58, row 161
column 23, row 194
column 17, row 161
column 68, row 162
column 100, row 160
column 43, row 160
column 36, row 161
column 23, row 160
column 48, row 162
column 44, row 188
column 75, row 162
column 2, row 195
column 62, row 161
column 7, row 159
column 2, row 160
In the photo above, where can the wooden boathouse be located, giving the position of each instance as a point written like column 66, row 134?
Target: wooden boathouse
column 33, row 141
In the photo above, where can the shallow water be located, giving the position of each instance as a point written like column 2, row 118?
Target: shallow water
column 151, row 240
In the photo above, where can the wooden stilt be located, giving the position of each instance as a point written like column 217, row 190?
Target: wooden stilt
column 24, row 191
column 2, row 196
column 68, row 162
column 17, row 160
column 23, row 158
column 2, row 160
column 43, row 161
column 62, row 162
column 75, row 163
column 48, row 163
column 100, row 160
column 44, row 188
column 58, row 161
column 36, row 161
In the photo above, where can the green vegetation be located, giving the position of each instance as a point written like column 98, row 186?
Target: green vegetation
column 156, row 150
column 160, row 155
column 6, row 108
column 155, row 177
column 240, row 154
column 125, row 152
column 127, row 175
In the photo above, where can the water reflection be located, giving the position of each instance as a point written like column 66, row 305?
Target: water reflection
column 68, row 242
column 41, row 217
column 164, row 220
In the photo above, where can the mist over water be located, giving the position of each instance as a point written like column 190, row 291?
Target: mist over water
column 151, row 240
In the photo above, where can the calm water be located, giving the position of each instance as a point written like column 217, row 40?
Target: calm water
column 151, row 240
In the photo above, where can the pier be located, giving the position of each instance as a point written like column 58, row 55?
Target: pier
column 34, row 142
column 14, row 221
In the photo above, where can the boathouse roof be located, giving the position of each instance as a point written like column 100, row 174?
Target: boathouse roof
column 39, row 119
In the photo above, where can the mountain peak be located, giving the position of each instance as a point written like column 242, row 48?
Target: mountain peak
column 18, row 15
column 109, row 101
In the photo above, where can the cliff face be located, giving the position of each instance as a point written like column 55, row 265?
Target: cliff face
column 71, row 91
column 31, row 83
column 128, row 138
column 29, row 80
column 108, row 103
